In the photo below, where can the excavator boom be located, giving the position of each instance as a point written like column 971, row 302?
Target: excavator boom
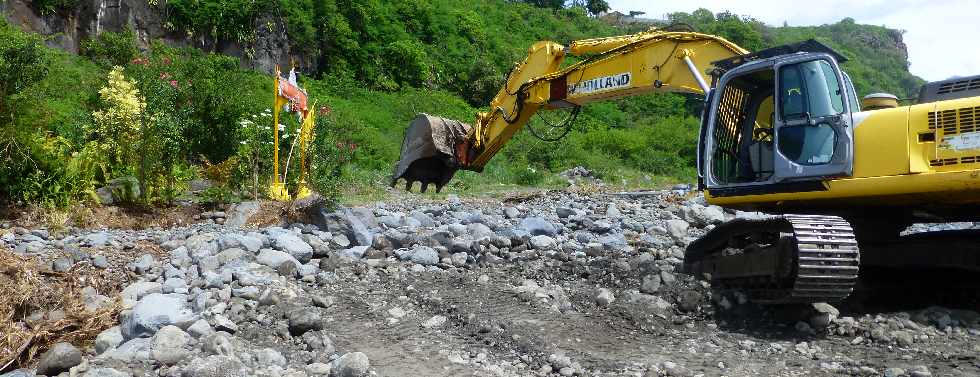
column 653, row 61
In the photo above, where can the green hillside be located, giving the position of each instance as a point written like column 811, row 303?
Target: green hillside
column 878, row 61
column 375, row 64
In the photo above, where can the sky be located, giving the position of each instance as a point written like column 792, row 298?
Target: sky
column 940, row 34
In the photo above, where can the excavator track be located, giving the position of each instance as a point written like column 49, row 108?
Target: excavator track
column 782, row 259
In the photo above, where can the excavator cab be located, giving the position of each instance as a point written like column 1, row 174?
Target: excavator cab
column 777, row 123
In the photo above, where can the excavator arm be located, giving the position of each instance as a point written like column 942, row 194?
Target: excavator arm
column 653, row 61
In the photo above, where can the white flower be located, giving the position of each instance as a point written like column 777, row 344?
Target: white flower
column 282, row 127
column 243, row 142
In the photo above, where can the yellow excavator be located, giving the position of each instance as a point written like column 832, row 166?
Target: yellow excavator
column 782, row 132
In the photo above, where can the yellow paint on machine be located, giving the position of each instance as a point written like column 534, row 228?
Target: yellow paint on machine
column 902, row 156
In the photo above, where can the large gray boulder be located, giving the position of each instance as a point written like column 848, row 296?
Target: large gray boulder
column 59, row 358
column 105, row 372
column 543, row 242
column 356, row 252
column 653, row 304
column 302, row 320
column 538, row 226
column 269, row 356
column 202, row 245
column 215, row 366
column 702, row 216
column 252, row 242
column 169, row 345
column 239, row 214
column 108, row 339
column 424, row 255
column 154, row 312
column 133, row 350
column 136, row 291
column 614, row 241
column 95, row 239
column 354, row 364
column 293, row 245
column 677, row 229
column 276, row 258
column 354, row 223
column 120, row 190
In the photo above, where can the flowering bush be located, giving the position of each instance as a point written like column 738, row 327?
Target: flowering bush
column 140, row 129
column 254, row 150
column 331, row 152
column 117, row 125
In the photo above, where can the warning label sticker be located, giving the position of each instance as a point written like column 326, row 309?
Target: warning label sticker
column 962, row 142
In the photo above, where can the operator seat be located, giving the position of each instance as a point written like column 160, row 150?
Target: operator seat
column 761, row 155
column 759, row 151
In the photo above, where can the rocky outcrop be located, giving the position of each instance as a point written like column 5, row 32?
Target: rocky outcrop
column 67, row 29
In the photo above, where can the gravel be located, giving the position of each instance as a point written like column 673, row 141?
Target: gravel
column 550, row 283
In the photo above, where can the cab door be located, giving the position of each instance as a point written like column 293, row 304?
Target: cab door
column 814, row 135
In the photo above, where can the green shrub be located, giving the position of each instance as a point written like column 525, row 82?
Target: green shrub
column 331, row 154
column 407, row 62
column 43, row 170
column 23, row 62
column 46, row 7
column 221, row 19
column 110, row 48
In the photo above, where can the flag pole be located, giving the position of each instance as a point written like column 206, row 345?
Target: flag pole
column 278, row 189
column 275, row 130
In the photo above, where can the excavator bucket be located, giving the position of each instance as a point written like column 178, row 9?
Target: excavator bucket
column 428, row 152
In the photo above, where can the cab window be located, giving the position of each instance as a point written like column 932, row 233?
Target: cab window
column 852, row 99
column 809, row 89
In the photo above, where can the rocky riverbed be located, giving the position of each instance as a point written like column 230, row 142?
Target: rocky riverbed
column 559, row 283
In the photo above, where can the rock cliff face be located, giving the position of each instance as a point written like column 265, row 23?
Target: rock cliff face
column 894, row 41
column 67, row 29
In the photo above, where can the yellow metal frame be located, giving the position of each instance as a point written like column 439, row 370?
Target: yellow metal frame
column 277, row 189
column 653, row 60
column 305, row 138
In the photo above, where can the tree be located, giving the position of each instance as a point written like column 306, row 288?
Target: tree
column 551, row 4
column 744, row 31
column 22, row 63
column 595, row 7
column 117, row 124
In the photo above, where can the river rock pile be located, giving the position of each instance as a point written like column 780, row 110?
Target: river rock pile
column 213, row 300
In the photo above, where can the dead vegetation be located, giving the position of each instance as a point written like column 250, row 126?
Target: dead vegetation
column 28, row 288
